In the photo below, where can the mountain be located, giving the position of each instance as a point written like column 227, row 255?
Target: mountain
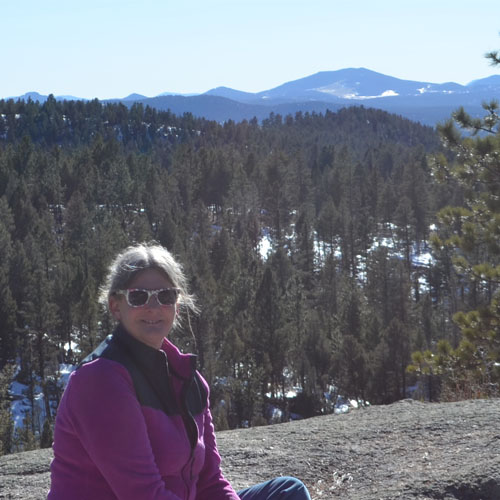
column 214, row 107
column 134, row 97
column 354, row 84
column 37, row 97
column 34, row 96
column 235, row 95
column 425, row 102
column 176, row 93
column 490, row 82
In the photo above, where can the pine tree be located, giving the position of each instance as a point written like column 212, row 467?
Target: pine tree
column 351, row 356
column 6, row 423
column 472, row 231
column 276, row 198
column 270, row 344
column 24, row 437
column 47, row 435
column 8, row 309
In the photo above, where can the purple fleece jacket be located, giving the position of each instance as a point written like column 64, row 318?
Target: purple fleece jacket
column 108, row 446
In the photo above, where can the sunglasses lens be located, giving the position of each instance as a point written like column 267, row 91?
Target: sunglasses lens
column 167, row 297
column 137, row 298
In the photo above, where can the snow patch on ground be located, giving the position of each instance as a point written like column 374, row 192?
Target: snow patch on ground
column 21, row 400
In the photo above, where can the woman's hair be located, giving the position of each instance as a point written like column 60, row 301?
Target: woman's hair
column 137, row 258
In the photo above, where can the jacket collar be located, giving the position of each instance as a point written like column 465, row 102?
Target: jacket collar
column 182, row 365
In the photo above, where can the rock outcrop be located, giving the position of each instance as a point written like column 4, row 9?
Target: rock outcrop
column 407, row 450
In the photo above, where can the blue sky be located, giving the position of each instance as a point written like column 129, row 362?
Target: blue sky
column 111, row 48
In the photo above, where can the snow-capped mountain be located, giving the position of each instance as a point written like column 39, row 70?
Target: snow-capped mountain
column 354, row 84
column 426, row 102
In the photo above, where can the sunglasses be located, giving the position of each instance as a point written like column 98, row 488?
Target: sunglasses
column 138, row 297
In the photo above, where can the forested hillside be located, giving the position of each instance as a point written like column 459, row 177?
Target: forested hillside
column 345, row 202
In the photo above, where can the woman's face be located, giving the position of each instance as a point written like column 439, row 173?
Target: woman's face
column 150, row 323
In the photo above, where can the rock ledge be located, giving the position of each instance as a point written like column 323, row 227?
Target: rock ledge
column 407, row 450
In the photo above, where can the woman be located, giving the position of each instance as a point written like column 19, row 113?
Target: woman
column 134, row 421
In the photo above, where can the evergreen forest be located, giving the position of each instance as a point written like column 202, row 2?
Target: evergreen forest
column 321, row 248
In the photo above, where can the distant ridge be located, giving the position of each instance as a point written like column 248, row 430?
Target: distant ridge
column 425, row 102
column 34, row 96
column 484, row 82
column 134, row 97
column 37, row 97
column 236, row 95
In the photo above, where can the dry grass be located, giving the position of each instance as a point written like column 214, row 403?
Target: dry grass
column 336, row 484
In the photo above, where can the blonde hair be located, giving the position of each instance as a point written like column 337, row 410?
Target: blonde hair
column 137, row 258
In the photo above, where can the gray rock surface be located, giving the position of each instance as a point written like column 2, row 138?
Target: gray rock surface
column 407, row 450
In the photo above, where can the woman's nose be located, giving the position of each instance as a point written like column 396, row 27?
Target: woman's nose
column 153, row 302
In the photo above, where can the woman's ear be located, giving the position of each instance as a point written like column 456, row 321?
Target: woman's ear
column 114, row 307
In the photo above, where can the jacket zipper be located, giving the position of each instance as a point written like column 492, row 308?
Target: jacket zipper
column 190, row 461
column 187, row 416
